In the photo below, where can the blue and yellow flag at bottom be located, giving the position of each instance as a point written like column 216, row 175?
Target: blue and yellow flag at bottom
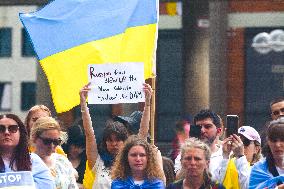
column 67, row 36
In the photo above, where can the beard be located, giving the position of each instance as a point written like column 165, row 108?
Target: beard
column 209, row 141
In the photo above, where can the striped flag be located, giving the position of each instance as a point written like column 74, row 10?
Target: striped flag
column 67, row 36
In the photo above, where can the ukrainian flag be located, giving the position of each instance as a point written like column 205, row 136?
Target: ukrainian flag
column 68, row 35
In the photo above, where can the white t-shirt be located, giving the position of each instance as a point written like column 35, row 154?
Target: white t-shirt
column 139, row 182
column 102, row 179
column 280, row 171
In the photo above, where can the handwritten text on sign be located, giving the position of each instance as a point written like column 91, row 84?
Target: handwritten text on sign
column 116, row 83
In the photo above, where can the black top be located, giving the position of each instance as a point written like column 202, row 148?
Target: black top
column 179, row 185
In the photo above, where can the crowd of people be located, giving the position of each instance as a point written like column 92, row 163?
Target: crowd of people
column 124, row 159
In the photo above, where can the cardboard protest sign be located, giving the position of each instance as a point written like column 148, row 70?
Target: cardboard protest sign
column 17, row 180
column 116, row 83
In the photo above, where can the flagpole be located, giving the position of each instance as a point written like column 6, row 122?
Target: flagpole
column 153, row 110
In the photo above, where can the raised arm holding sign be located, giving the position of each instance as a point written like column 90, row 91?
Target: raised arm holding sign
column 114, row 135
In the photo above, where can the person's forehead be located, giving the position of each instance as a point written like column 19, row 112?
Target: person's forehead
column 277, row 105
column 194, row 152
column 51, row 133
column 112, row 136
column 205, row 121
column 8, row 121
column 39, row 113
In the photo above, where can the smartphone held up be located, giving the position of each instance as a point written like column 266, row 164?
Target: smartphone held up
column 232, row 125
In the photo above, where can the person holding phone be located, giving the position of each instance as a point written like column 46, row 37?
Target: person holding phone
column 239, row 153
column 210, row 125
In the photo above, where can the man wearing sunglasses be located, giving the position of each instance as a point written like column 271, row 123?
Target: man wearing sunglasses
column 239, row 153
column 277, row 108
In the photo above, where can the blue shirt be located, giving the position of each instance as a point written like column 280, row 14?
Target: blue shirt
column 260, row 176
column 129, row 184
column 40, row 172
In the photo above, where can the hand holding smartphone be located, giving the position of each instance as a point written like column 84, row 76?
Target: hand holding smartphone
column 232, row 125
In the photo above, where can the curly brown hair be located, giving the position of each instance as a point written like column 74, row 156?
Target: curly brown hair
column 121, row 168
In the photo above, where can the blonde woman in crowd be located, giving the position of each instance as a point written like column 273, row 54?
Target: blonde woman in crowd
column 34, row 113
column 46, row 135
column 195, row 158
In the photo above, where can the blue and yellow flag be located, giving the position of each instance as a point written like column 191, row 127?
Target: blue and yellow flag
column 68, row 35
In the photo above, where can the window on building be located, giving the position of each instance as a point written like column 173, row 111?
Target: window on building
column 5, row 42
column 27, row 48
column 5, row 96
column 28, row 96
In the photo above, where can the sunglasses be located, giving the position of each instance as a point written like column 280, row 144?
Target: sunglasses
column 10, row 128
column 49, row 141
column 246, row 141
column 277, row 112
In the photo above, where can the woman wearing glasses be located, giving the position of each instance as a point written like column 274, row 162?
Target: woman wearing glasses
column 34, row 113
column 14, row 153
column 46, row 135
column 245, row 151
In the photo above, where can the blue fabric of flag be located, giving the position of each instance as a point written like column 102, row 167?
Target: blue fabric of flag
column 85, row 20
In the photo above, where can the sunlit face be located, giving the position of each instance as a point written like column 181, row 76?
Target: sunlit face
column 46, row 149
column 137, row 159
column 34, row 116
column 277, row 148
column 113, row 144
column 209, row 131
column 9, row 140
column 194, row 162
column 277, row 110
